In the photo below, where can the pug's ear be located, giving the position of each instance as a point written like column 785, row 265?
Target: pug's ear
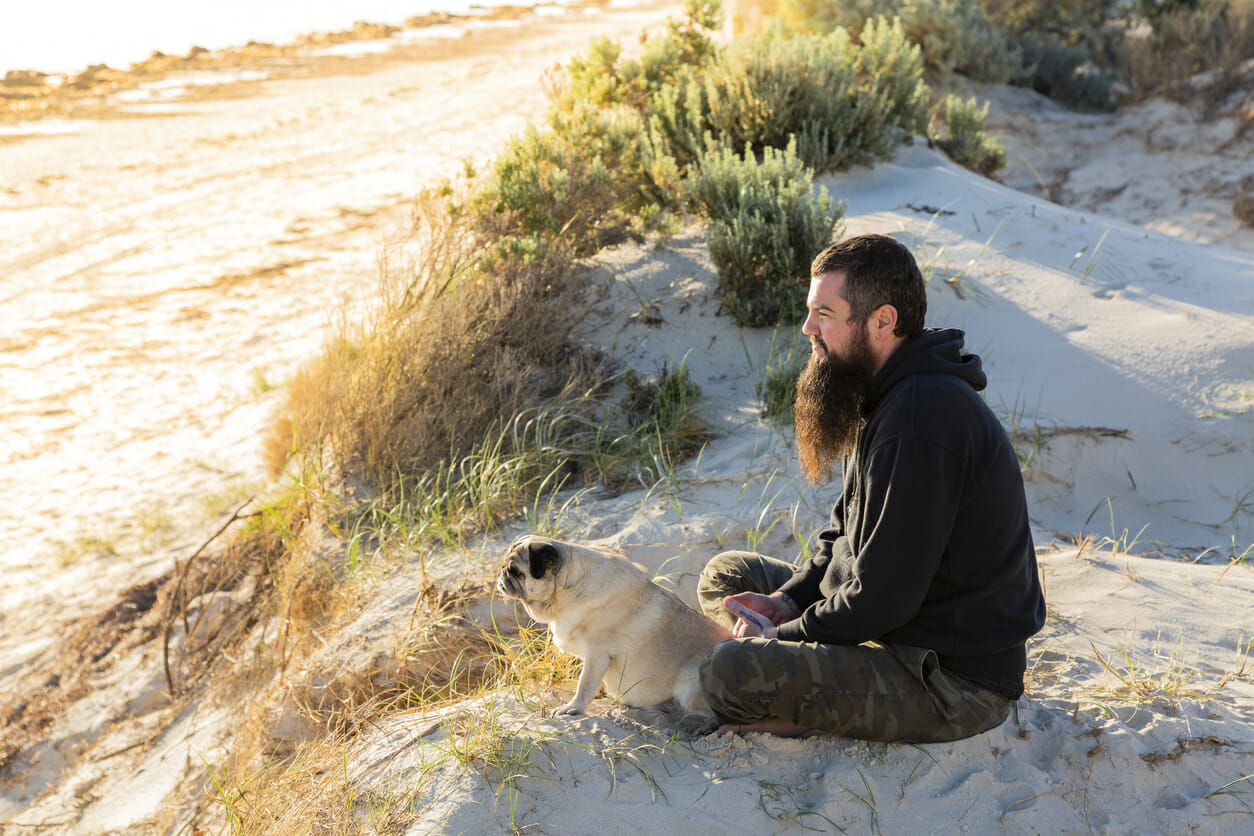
column 544, row 557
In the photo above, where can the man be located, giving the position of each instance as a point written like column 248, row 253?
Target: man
column 910, row 620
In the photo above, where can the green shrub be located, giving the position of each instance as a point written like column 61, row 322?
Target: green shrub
column 602, row 79
column 1065, row 73
column 596, row 78
column 846, row 101
column 846, row 104
column 766, row 225
column 591, row 180
column 960, row 134
column 954, row 35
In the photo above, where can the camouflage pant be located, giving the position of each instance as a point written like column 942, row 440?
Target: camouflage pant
column 870, row 691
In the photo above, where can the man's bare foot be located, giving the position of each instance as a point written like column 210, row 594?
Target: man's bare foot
column 781, row 728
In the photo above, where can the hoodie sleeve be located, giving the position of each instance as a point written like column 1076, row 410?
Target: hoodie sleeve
column 913, row 489
column 803, row 587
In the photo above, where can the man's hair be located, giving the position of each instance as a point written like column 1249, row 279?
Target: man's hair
column 879, row 270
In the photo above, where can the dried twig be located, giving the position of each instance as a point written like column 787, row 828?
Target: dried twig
column 175, row 599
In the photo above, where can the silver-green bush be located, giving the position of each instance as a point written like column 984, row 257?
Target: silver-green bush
column 955, row 35
column 845, row 102
column 590, row 178
column 959, row 132
column 766, row 224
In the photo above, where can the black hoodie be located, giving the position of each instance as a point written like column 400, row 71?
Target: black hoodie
column 929, row 543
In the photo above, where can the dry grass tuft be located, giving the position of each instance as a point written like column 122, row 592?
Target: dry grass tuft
column 450, row 350
column 304, row 783
column 1156, row 677
column 1215, row 38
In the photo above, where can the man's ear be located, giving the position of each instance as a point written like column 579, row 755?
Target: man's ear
column 882, row 323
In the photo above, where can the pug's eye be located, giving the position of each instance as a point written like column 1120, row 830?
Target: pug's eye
column 515, row 572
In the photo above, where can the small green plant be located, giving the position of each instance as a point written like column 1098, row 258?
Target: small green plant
column 663, row 425
column 1243, row 506
column 1242, row 666
column 768, row 515
column 261, row 384
column 867, row 797
column 766, row 226
column 958, row 130
column 1120, row 543
column 1229, row 791
column 936, row 265
column 1093, row 253
column 1235, row 558
column 778, row 387
column 780, row 804
column 1159, row 677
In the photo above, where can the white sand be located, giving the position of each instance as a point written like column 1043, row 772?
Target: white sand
column 163, row 273
column 136, row 359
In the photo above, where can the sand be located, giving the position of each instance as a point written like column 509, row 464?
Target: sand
column 165, row 271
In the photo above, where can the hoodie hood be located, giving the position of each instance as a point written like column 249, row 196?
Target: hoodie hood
column 935, row 351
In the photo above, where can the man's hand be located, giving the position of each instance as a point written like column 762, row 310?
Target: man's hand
column 750, row 623
column 759, row 614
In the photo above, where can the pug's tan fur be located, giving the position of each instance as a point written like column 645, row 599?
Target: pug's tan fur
column 638, row 638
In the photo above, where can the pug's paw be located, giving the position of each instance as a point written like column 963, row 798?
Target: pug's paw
column 571, row 709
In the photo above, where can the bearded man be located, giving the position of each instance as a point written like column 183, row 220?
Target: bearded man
column 909, row 621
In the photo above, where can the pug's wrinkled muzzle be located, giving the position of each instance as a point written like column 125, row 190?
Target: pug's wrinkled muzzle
column 509, row 582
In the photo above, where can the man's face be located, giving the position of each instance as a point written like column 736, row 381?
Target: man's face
column 829, row 324
column 836, row 382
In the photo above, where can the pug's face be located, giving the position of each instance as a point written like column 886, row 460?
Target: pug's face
column 532, row 574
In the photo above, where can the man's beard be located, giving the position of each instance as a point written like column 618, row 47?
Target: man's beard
column 831, row 396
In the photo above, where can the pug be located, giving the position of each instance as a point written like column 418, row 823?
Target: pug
column 637, row 638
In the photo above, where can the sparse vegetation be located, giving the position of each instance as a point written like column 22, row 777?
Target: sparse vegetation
column 1158, row 677
column 844, row 101
column 766, row 226
column 954, row 35
column 1174, row 40
column 778, row 387
column 959, row 132
column 1086, row 55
